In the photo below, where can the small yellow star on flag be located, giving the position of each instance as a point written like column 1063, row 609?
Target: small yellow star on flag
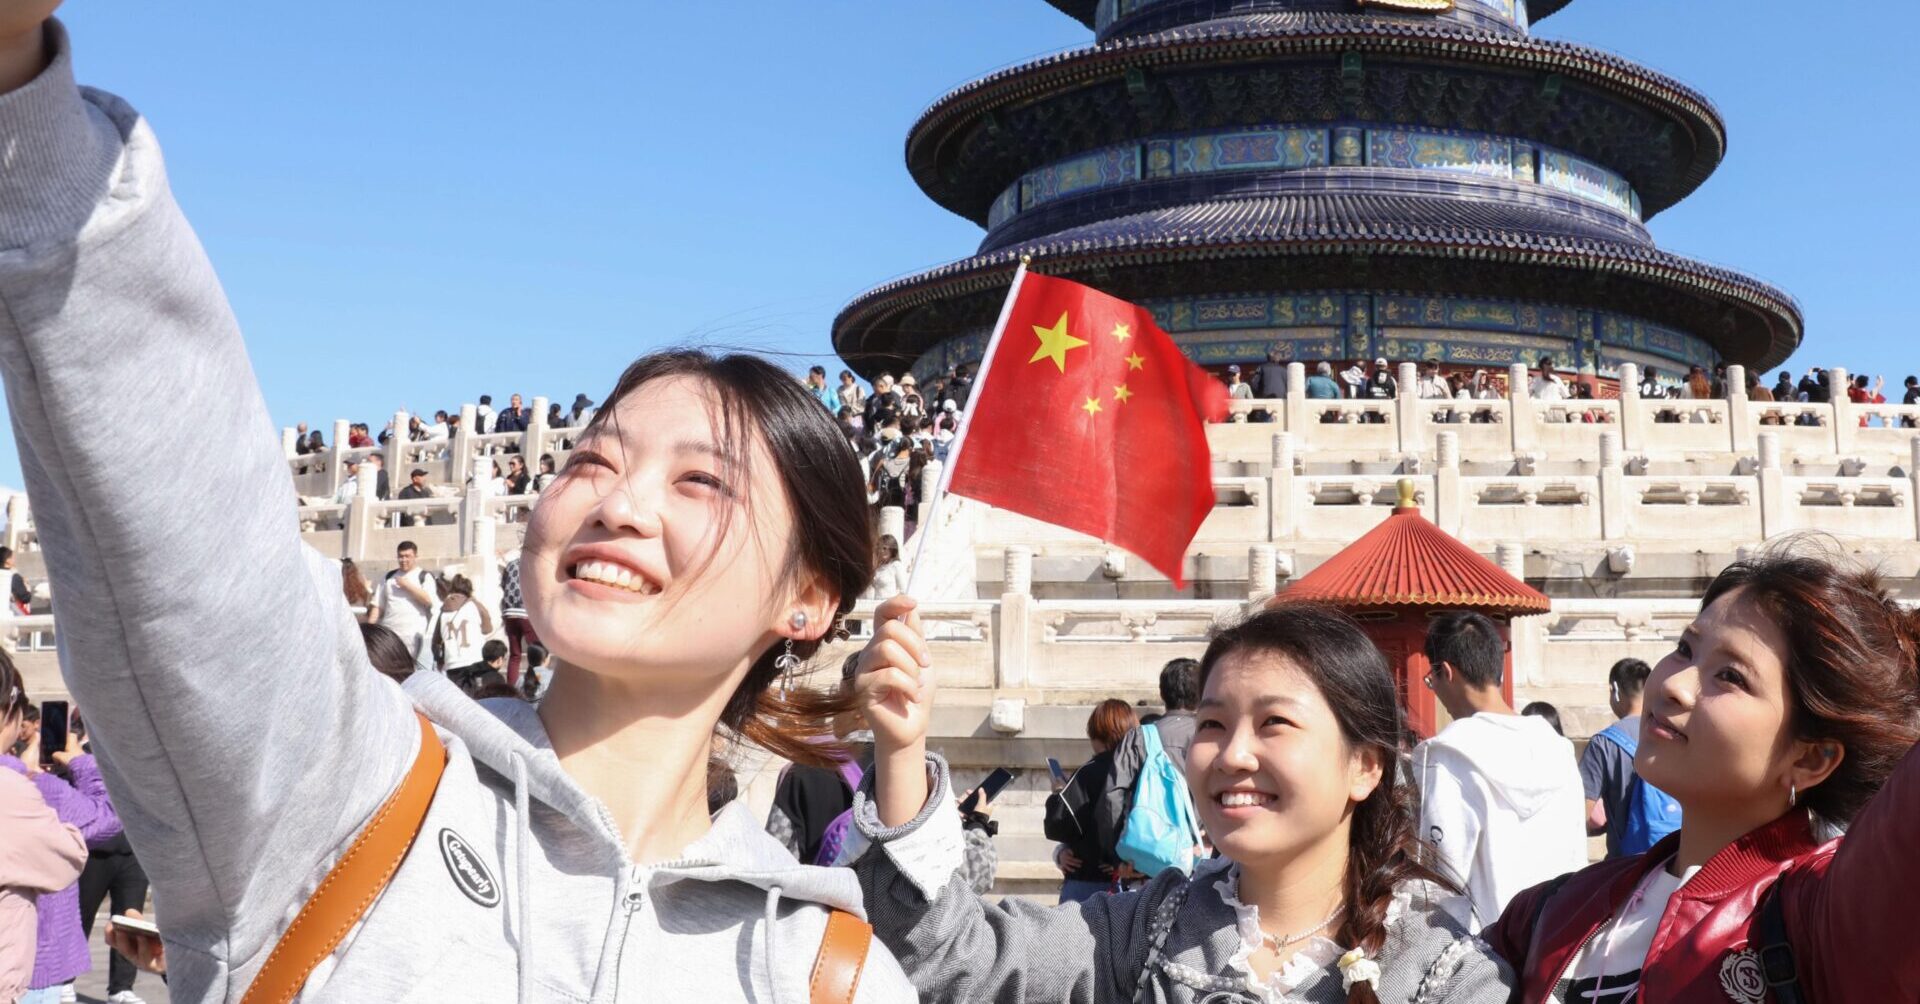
column 1136, row 361
column 1122, row 332
column 1121, row 393
column 1055, row 342
column 1092, row 407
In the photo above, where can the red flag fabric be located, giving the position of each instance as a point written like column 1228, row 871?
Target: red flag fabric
column 1089, row 417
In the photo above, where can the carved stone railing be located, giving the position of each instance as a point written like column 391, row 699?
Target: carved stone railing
column 30, row 633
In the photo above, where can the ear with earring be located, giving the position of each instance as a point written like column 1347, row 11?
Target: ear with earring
column 787, row 662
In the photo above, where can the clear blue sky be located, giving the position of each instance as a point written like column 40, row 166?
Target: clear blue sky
column 412, row 204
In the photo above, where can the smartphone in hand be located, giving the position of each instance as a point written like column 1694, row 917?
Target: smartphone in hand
column 133, row 926
column 53, row 729
column 1059, row 773
column 990, row 787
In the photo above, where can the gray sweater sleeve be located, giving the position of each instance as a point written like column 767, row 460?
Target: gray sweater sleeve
column 957, row 947
column 241, row 731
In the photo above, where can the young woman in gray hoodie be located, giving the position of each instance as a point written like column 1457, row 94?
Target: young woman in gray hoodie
column 1323, row 892
column 709, row 522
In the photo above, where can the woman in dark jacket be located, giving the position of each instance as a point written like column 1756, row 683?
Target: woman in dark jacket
column 1086, row 854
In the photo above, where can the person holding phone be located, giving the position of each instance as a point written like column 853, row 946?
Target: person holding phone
column 78, row 799
column 1074, row 814
column 39, row 854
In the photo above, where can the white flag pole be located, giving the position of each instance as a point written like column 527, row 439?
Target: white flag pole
column 966, row 422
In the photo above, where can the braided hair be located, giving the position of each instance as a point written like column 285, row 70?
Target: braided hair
column 1384, row 848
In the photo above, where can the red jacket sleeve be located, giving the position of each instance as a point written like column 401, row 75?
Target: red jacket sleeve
column 1512, row 935
column 1846, row 911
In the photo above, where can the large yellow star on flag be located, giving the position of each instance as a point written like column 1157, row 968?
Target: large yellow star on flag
column 1055, row 343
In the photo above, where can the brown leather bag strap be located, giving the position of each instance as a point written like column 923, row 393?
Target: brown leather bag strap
column 356, row 880
column 843, row 954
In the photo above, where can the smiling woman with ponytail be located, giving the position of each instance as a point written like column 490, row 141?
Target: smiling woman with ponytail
column 703, row 538
column 1323, row 892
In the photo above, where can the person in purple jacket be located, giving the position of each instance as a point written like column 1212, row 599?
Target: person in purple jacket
column 60, row 953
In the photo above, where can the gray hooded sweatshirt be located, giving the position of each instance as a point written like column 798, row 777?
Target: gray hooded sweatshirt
column 244, row 736
column 1179, row 940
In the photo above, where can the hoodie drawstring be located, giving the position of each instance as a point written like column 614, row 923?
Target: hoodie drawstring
column 773, row 922
column 523, row 836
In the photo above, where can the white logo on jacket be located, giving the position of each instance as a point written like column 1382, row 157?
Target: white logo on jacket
column 468, row 871
column 1741, row 978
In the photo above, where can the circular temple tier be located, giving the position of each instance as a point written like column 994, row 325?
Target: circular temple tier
column 1336, row 180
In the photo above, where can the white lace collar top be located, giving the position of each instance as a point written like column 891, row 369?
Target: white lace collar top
column 1314, row 954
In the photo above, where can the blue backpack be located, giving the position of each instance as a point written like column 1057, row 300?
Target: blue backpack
column 1651, row 813
column 1161, row 829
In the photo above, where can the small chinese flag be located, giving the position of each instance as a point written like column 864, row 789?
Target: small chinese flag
column 1088, row 416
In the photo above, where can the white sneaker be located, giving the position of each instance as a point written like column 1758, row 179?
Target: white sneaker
column 68, row 995
column 126, row 997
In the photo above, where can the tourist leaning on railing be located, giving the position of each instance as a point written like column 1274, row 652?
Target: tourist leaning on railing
column 1321, row 386
column 567, row 851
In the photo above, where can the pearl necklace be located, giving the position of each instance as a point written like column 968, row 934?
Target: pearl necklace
column 1279, row 943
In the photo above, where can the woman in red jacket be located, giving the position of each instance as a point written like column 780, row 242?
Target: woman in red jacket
column 1788, row 711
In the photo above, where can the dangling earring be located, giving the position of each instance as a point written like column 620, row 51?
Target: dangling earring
column 1793, row 794
column 787, row 662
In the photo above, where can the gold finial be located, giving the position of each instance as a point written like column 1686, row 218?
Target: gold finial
column 1026, row 259
column 1406, row 493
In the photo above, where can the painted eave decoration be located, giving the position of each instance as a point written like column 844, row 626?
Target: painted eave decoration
column 1414, row 6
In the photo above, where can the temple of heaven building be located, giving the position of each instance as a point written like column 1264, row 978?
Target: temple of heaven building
column 1335, row 179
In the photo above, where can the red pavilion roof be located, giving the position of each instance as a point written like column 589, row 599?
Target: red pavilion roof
column 1408, row 562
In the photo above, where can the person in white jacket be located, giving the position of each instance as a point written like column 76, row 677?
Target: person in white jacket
column 1500, row 793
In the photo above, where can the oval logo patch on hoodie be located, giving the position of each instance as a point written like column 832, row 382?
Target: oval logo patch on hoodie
column 468, row 871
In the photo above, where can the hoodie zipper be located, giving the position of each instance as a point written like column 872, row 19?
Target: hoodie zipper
column 635, row 898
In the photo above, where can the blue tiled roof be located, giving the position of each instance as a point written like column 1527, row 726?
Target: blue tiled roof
column 1349, row 223
column 936, row 135
column 1083, row 10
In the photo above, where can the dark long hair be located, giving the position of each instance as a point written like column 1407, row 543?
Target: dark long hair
column 832, row 536
column 13, row 690
column 1852, row 667
column 1384, row 848
column 387, row 652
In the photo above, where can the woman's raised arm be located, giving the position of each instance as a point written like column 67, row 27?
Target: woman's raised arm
column 240, row 728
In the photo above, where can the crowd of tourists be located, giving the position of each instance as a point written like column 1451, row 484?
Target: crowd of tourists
column 894, row 429
column 685, row 565
column 444, row 424
column 1559, row 390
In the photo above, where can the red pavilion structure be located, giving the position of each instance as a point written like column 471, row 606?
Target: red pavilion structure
column 1398, row 575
